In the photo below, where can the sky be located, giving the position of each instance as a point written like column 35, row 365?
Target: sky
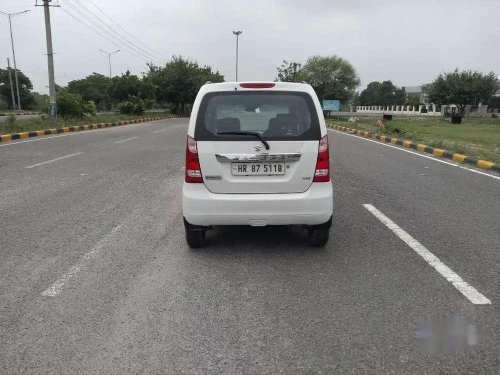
column 407, row 42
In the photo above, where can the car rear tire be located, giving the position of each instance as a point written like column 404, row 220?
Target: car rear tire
column 195, row 238
column 319, row 234
column 195, row 235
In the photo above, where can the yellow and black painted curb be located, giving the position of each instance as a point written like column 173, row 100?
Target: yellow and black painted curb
column 70, row 129
column 484, row 164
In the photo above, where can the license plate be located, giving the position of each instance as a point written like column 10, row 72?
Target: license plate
column 257, row 169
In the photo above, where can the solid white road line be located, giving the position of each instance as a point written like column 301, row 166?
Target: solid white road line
column 418, row 154
column 125, row 140
column 53, row 160
column 467, row 290
column 58, row 285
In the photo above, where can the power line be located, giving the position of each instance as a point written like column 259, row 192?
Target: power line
column 105, row 35
column 142, row 45
column 126, row 31
column 102, row 32
column 118, row 35
column 110, row 33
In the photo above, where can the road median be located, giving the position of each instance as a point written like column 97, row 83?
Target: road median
column 459, row 158
column 18, row 113
column 71, row 129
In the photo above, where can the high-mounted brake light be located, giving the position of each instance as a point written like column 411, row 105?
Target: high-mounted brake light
column 322, row 172
column 193, row 169
column 257, row 85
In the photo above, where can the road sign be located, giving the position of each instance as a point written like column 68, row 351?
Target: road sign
column 331, row 105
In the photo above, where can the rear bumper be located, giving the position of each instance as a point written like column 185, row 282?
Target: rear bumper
column 313, row 207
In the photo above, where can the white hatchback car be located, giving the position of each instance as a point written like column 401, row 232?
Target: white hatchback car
column 257, row 154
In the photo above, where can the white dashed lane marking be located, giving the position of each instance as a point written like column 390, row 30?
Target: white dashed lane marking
column 53, row 160
column 58, row 285
column 125, row 140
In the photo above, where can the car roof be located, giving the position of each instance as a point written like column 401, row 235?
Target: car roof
column 276, row 86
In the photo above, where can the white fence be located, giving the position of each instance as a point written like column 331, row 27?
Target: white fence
column 399, row 110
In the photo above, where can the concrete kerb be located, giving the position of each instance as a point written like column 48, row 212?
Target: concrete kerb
column 38, row 133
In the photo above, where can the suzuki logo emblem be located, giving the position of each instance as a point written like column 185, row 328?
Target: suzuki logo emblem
column 257, row 148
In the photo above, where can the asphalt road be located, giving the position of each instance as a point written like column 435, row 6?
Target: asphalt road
column 95, row 275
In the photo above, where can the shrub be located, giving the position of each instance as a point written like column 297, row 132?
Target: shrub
column 149, row 103
column 398, row 131
column 140, row 107
column 134, row 106
column 89, row 108
column 69, row 105
column 10, row 125
column 127, row 108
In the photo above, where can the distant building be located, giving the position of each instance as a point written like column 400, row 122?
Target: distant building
column 417, row 92
column 420, row 93
column 495, row 101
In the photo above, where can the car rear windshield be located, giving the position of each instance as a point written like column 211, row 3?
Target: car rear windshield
column 273, row 115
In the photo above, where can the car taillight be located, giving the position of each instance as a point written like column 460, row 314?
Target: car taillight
column 193, row 169
column 322, row 172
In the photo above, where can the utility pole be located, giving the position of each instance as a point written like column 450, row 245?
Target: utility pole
column 50, row 61
column 109, row 58
column 10, row 15
column 11, row 85
column 237, row 33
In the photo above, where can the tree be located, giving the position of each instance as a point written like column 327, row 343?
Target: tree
column 179, row 81
column 382, row 93
column 413, row 101
column 463, row 88
column 290, row 72
column 128, row 85
column 25, row 87
column 94, row 87
column 332, row 77
column 355, row 99
column 41, row 100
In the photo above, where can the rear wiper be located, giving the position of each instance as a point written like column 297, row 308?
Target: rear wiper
column 257, row 135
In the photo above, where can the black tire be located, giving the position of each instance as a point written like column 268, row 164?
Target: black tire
column 318, row 235
column 195, row 238
column 195, row 235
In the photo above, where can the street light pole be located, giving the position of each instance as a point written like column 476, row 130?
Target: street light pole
column 11, row 85
column 237, row 33
column 109, row 58
column 10, row 15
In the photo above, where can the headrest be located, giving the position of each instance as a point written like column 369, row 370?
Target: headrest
column 228, row 125
column 277, row 126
